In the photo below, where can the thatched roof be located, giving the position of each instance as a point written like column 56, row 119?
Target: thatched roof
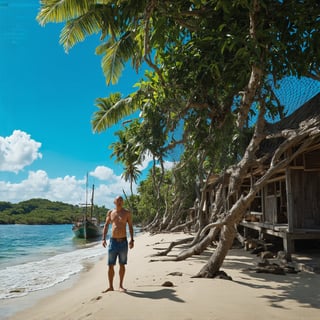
column 307, row 111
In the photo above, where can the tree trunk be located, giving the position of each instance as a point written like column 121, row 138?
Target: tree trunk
column 172, row 245
column 153, row 224
column 200, row 246
column 181, row 227
column 215, row 262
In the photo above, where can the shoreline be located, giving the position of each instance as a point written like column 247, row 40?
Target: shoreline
column 10, row 307
column 248, row 296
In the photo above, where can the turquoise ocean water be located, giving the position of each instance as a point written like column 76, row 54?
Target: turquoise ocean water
column 36, row 257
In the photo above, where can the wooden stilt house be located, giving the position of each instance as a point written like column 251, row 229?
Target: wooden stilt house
column 289, row 205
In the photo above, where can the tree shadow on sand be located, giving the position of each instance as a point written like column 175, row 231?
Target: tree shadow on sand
column 169, row 294
column 301, row 287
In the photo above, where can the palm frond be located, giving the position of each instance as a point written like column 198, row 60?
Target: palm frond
column 116, row 54
column 76, row 30
column 62, row 10
column 111, row 111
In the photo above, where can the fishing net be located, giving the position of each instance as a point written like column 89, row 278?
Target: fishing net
column 294, row 92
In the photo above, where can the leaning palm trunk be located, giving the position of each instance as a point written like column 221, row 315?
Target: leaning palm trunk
column 200, row 246
column 215, row 262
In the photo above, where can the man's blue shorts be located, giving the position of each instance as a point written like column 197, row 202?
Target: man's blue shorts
column 117, row 248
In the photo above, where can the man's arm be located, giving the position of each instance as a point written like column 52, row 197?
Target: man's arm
column 105, row 228
column 130, row 224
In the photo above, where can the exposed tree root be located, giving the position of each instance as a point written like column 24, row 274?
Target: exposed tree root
column 217, row 275
column 172, row 245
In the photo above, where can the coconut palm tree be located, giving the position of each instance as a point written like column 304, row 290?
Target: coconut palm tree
column 117, row 24
column 126, row 150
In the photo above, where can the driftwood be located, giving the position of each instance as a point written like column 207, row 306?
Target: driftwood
column 172, row 245
column 280, row 263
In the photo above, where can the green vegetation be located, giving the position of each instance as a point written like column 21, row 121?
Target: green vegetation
column 213, row 67
column 42, row 211
column 159, row 192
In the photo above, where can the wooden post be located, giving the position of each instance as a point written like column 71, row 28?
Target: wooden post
column 289, row 200
column 288, row 244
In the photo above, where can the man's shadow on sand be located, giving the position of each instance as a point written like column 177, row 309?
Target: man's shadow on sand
column 169, row 294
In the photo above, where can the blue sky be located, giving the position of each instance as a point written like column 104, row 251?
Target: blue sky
column 46, row 103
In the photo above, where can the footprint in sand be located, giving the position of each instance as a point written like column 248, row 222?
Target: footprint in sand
column 97, row 298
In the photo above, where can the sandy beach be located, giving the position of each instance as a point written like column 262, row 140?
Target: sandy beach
column 249, row 296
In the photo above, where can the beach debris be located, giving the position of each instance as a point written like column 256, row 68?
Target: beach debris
column 270, row 268
column 284, row 256
column 17, row 290
column 256, row 246
column 177, row 273
column 275, row 263
column 266, row 255
column 167, row 284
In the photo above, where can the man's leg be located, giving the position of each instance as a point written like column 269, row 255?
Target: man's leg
column 122, row 271
column 110, row 278
column 123, row 255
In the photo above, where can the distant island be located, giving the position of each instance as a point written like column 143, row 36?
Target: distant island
column 43, row 211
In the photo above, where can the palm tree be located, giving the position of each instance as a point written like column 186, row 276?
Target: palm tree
column 131, row 173
column 125, row 34
column 118, row 25
column 126, row 150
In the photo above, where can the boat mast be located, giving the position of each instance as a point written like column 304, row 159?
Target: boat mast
column 92, row 208
column 86, row 196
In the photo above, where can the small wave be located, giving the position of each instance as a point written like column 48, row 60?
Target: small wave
column 19, row 280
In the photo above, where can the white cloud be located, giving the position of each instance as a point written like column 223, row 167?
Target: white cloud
column 145, row 163
column 18, row 151
column 149, row 159
column 66, row 189
column 103, row 173
column 168, row 165
column 114, row 186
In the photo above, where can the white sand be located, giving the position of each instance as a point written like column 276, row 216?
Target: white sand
column 249, row 296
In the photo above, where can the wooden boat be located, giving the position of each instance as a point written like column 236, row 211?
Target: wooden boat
column 88, row 226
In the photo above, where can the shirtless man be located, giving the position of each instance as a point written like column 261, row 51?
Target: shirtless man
column 118, row 247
